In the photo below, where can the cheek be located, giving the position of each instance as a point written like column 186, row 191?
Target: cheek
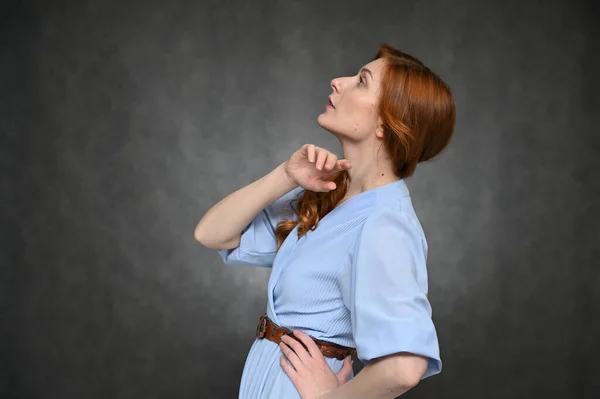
column 359, row 116
column 354, row 115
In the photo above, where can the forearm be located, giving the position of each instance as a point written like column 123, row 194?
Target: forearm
column 377, row 380
column 221, row 225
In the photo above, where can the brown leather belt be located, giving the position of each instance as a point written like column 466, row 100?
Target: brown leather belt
column 271, row 331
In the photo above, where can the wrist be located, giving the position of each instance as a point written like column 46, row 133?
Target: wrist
column 285, row 177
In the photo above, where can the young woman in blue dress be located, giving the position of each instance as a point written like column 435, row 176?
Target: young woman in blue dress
column 393, row 114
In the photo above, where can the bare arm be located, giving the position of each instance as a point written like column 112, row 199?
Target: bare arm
column 221, row 225
column 384, row 378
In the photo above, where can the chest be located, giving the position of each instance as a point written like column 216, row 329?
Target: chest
column 307, row 272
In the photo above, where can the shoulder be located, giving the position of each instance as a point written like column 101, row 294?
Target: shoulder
column 393, row 218
column 393, row 228
column 392, row 238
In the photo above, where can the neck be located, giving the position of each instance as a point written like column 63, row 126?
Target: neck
column 371, row 166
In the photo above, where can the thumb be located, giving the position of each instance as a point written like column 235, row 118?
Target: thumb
column 345, row 371
column 327, row 186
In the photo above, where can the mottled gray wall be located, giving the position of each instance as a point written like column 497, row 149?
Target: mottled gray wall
column 123, row 122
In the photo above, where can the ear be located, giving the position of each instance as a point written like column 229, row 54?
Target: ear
column 379, row 129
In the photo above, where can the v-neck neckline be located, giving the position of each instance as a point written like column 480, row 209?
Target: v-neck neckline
column 363, row 200
column 374, row 192
column 356, row 202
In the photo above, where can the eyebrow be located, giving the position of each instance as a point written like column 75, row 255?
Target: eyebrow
column 366, row 70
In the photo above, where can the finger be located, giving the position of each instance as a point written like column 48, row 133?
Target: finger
column 344, row 164
column 312, row 347
column 339, row 166
column 289, row 370
column 345, row 371
column 293, row 355
column 298, row 350
column 321, row 158
column 331, row 162
column 326, row 186
column 310, row 152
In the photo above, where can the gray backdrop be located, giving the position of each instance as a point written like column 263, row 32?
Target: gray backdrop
column 122, row 123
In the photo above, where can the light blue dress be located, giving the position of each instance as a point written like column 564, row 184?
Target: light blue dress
column 359, row 279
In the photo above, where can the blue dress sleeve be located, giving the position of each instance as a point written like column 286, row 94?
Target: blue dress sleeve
column 388, row 302
column 258, row 244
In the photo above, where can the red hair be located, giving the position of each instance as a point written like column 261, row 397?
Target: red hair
column 418, row 113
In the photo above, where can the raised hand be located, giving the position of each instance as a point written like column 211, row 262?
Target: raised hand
column 310, row 164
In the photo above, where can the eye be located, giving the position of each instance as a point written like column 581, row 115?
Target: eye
column 360, row 80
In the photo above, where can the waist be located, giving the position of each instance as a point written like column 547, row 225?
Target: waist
column 266, row 328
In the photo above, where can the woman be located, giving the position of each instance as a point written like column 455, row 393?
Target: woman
column 347, row 251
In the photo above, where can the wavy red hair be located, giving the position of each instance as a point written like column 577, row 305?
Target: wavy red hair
column 419, row 115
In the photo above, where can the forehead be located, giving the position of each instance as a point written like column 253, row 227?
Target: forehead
column 375, row 67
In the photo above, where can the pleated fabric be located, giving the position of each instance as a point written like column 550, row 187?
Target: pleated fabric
column 359, row 279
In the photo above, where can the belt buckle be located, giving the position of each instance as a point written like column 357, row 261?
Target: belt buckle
column 262, row 326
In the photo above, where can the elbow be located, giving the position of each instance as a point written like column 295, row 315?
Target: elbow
column 201, row 232
column 407, row 382
column 199, row 235
column 210, row 242
column 409, row 370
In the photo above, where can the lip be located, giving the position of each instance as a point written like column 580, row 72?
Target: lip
column 330, row 102
column 329, row 106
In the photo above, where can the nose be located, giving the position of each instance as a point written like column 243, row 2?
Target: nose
column 335, row 85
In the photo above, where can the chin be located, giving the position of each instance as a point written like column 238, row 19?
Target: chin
column 327, row 126
column 322, row 121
